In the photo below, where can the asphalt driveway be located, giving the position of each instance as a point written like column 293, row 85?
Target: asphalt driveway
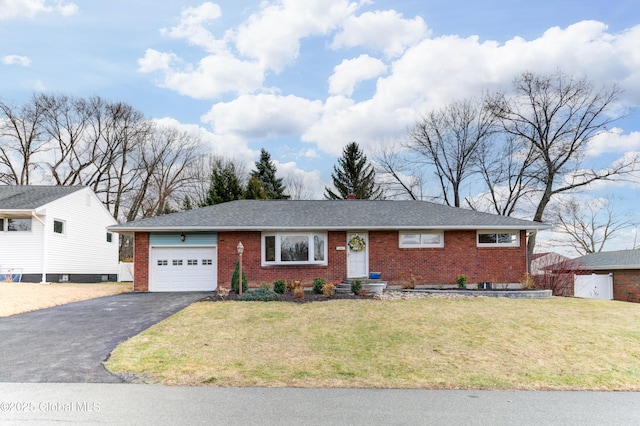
column 67, row 344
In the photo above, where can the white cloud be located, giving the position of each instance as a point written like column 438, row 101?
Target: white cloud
column 352, row 71
column 272, row 35
column 22, row 61
column 263, row 115
column 437, row 71
column 67, row 9
column 382, row 31
column 192, row 27
column 613, row 141
column 156, row 61
column 10, row 9
column 214, row 76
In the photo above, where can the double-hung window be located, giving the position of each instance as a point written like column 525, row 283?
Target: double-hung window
column 498, row 239
column 294, row 248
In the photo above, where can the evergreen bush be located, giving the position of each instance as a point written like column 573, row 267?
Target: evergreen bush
column 279, row 286
column 236, row 277
column 318, row 283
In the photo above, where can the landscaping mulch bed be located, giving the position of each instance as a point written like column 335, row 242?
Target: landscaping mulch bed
column 288, row 297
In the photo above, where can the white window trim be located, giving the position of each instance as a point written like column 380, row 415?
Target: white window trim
column 421, row 245
column 516, row 243
column 279, row 235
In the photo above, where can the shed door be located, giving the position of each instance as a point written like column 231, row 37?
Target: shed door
column 183, row 269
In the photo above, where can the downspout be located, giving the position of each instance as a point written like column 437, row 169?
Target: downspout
column 45, row 245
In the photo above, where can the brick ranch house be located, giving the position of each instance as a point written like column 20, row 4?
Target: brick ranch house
column 197, row 249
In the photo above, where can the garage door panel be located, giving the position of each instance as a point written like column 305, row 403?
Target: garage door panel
column 184, row 269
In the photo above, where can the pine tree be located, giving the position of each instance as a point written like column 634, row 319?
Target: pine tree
column 266, row 174
column 255, row 190
column 225, row 184
column 186, row 203
column 354, row 175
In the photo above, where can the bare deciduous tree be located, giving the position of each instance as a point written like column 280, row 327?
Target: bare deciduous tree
column 557, row 115
column 297, row 188
column 21, row 141
column 450, row 139
column 590, row 224
column 398, row 175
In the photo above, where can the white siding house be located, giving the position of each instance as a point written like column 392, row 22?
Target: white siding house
column 56, row 233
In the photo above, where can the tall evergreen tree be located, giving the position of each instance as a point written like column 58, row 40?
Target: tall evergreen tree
column 354, row 175
column 255, row 190
column 266, row 174
column 225, row 184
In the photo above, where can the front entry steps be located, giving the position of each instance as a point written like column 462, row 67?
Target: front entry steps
column 373, row 286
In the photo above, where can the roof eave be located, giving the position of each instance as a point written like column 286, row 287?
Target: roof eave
column 125, row 229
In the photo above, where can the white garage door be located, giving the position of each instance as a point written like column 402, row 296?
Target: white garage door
column 184, row 269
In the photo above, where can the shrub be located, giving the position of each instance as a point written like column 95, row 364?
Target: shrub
column 262, row 295
column 318, row 283
column 279, row 286
column 329, row 289
column 527, row 281
column 409, row 283
column 298, row 292
column 236, row 277
column 461, row 280
column 356, row 286
column 265, row 286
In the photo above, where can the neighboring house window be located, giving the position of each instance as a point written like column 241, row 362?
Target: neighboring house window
column 422, row 239
column 294, row 248
column 58, row 226
column 109, row 237
column 498, row 238
column 19, row 225
column 1, row 225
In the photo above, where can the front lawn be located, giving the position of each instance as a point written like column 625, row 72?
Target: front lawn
column 484, row 343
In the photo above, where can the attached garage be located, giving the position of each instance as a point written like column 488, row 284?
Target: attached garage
column 184, row 269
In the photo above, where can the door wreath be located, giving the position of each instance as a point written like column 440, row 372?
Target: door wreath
column 356, row 243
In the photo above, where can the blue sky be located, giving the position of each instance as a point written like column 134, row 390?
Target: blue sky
column 304, row 78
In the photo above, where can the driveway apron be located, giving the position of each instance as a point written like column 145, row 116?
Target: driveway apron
column 68, row 343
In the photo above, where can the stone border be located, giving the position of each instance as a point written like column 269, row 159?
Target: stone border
column 512, row 294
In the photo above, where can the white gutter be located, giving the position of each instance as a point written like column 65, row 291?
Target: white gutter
column 45, row 247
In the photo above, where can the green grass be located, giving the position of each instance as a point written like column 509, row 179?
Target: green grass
column 484, row 343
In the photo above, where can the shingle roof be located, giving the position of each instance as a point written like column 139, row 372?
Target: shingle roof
column 621, row 259
column 326, row 214
column 31, row 197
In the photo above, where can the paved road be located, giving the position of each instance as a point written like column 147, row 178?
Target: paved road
column 67, row 344
column 55, row 404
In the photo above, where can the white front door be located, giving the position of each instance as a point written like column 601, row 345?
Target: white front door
column 357, row 255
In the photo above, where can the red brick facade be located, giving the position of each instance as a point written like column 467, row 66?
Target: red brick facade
column 626, row 285
column 460, row 255
column 141, row 262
